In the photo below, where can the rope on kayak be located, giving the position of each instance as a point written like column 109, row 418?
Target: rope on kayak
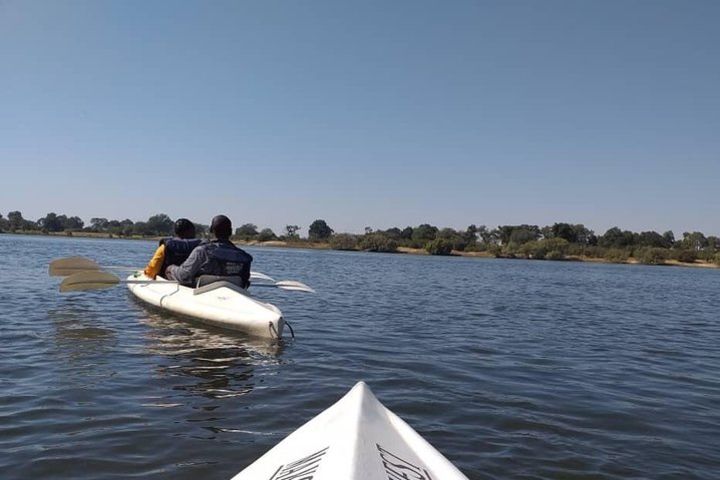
column 272, row 328
column 177, row 289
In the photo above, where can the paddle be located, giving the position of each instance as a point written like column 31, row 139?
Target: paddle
column 95, row 280
column 62, row 267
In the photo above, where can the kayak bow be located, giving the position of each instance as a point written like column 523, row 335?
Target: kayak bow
column 355, row 439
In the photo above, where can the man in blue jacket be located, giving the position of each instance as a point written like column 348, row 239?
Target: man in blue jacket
column 219, row 257
column 173, row 251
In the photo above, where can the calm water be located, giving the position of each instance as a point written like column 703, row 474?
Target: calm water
column 512, row 369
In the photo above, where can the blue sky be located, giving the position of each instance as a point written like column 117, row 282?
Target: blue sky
column 368, row 113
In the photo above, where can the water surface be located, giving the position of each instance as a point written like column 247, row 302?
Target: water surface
column 512, row 369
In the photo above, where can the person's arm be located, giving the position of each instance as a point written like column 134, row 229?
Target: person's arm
column 155, row 265
column 185, row 273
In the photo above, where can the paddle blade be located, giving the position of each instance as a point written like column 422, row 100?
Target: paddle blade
column 293, row 286
column 88, row 281
column 62, row 267
column 260, row 276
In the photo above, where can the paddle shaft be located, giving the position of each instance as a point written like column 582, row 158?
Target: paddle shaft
column 64, row 267
column 267, row 285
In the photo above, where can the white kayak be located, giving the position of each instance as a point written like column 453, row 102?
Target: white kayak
column 220, row 304
column 355, row 439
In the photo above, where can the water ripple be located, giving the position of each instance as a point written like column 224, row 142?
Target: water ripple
column 513, row 369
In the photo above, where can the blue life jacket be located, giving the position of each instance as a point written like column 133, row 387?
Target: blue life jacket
column 227, row 260
column 177, row 250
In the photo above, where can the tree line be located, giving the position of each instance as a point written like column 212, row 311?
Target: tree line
column 552, row 242
column 157, row 225
column 560, row 241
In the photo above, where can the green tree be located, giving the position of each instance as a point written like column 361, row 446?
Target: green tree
column 669, row 237
column 471, row 235
column 344, row 241
column 74, row 223
column 266, row 235
column 518, row 234
column 694, row 241
column 160, row 224
column 653, row 239
column 651, row 255
column 616, row 238
column 4, row 224
column 457, row 240
column 98, row 224
column 15, row 220
column 439, row 246
column 141, row 228
column 292, row 231
column 713, row 243
column 51, row 223
column 394, row 233
column 319, row 230
column 377, row 242
column 247, row 231
column 486, row 235
column 423, row 234
column 565, row 231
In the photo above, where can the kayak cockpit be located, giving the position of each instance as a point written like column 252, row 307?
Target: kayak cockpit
column 219, row 284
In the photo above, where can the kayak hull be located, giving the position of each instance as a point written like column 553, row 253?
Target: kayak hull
column 223, row 305
column 357, row 438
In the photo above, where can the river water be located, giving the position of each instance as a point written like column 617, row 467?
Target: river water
column 512, row 369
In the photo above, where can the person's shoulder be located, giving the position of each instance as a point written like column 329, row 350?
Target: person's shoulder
column 243, row 252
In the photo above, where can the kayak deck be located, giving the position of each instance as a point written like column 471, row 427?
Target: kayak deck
column 221, row 305
column 356, row 438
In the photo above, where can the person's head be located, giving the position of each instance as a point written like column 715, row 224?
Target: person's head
column 221, row 227
column 184, row 228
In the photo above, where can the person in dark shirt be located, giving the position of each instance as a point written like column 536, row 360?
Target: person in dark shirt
column 173, row 251
column 219, row 257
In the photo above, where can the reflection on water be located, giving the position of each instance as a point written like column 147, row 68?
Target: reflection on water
column 81, row 341
column 219, row 363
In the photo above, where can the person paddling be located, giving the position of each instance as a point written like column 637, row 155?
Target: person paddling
column 218, row 258
column 173, row 251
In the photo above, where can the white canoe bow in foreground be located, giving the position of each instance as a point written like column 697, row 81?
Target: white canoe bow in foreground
column 355, row 439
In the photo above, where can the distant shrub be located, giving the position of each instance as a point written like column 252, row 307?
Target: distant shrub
column 593, row 251
column 651, row 255
column 554, row 255
column 494, row 249
column 475, row 247
column 716, row 259
column 343, row 241
column 377, row 242
column 707, row 254
column 556, row 244
column 616, row 255
column 439, row 246
column 533, row 249
column 510, row 249
column 686, row 256
column 266, row 235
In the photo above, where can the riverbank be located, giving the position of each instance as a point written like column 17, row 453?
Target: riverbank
column 306, row 244
column 456, row 253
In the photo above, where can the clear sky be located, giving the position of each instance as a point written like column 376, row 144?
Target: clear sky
column 366, row 113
